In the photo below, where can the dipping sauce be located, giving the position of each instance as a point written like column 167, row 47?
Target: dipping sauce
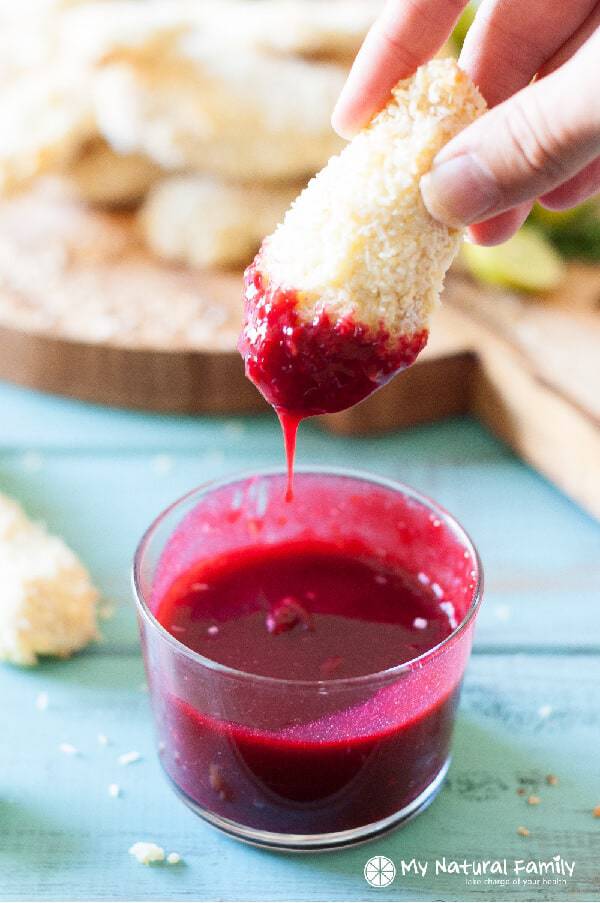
column 312, row 606
column 318, row 367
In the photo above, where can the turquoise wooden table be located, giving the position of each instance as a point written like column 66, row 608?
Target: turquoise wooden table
column 530, row 707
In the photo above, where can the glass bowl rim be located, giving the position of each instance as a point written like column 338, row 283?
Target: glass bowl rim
column 384, row 675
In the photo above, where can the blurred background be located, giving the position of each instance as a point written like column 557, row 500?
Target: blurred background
column 147, row 147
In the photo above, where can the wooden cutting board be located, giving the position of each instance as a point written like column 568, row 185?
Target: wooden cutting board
column 86, row 311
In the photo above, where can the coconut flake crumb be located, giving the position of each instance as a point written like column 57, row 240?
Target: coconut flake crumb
column 533, row 800
column 41, row 701
column 420, row 623
column 129, row 758
column 173, row 858
column 147, row 852
column 114, row 790
column 68, row 749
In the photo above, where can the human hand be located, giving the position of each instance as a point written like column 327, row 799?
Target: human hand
column 540, row 139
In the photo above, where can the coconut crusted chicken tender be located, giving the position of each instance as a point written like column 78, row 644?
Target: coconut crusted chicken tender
column 338, row 299
column 315, row 29
column 240, row 116
column 322, row 29
column 205, row 222
column 191, row 85
column 45, row 117
column 29, row 33
column 47, row 600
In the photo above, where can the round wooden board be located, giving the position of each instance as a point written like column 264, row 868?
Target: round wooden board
column 165, row 335
column 191, row 382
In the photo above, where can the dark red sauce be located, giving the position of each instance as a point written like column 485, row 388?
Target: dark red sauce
column 315, row 367
column 293, row 612
column 319, row 367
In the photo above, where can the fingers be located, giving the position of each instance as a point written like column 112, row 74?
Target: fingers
column 575, row 41
column 576, row 190
column 499, row 228
column 510, row 40
column 526, row 147
column 406, row 34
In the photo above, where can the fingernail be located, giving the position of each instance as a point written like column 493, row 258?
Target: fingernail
column 343, row 118
column 460, row 191
column 340, row 125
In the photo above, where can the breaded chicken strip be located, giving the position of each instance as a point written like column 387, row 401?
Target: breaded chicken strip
column 330, row 30
column 47, row 600
column 29, row 33
column 205, row 222
column 339, row 297
column 240, row 116
column 44, row 120
column 192, row 84
column 322, row 29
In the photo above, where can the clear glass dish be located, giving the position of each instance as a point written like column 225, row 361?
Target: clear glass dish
column 306, row 764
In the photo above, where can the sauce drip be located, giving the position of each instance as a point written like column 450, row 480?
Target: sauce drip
column 305, row 367
column 289, row 427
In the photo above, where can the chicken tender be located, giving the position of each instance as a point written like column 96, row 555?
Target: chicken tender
column 44, row 119
column 47, row 600
column 198, row 108
column 315, row 29
column 205, row 222
column 194, row 85
column 338, row 299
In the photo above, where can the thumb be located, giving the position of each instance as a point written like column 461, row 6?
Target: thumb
column 521, row 149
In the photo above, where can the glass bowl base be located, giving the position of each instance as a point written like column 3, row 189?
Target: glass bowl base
column 315, row 842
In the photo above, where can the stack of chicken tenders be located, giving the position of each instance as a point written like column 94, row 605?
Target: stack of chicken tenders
column 204, row 117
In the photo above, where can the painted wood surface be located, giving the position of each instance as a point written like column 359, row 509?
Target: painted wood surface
column 531, row 702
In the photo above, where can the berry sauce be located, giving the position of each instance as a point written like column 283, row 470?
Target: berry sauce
column 303, row 368
column 306, row 602
column 302, row 612
column 306, row 612
column 316, row 367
